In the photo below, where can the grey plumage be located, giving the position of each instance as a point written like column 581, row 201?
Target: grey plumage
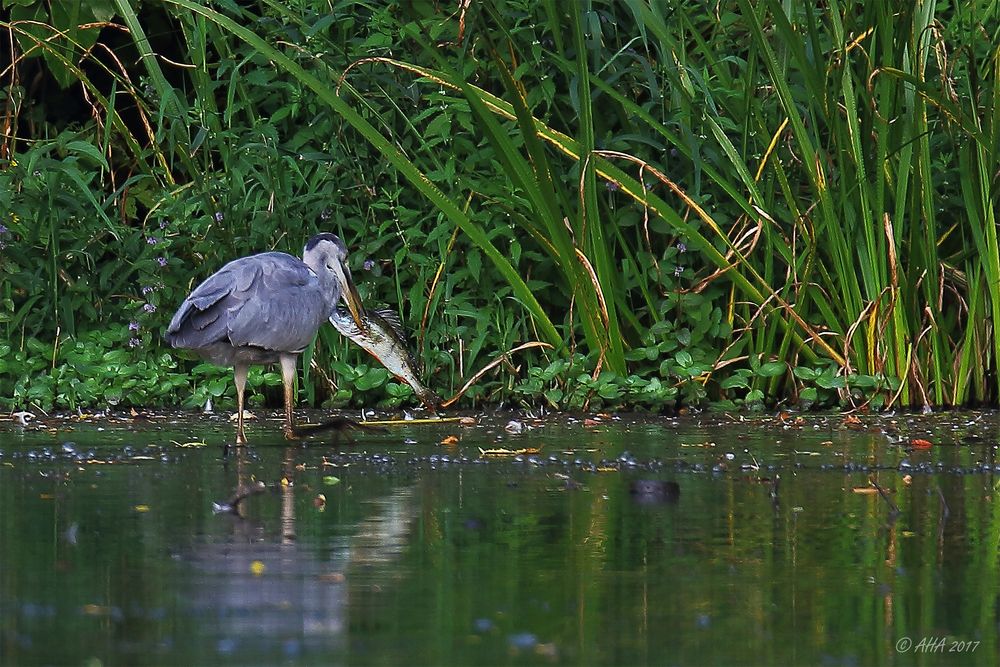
column 271, row 301
column 266, row 309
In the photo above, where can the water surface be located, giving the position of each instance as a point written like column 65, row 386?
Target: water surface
column 702, row 540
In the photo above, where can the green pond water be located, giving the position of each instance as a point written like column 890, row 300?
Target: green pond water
column 701, row 540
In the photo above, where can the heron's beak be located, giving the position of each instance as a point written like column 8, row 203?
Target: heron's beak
column 349, row 293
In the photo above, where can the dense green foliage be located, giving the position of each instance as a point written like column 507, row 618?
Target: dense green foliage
column 687, row 202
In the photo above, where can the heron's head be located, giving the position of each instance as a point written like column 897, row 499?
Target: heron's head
column 326, row 254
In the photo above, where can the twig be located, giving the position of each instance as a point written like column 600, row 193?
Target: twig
column 944, row 504
column 401, row 422
column 885, row 496
column 240, row 496
column 338, row 424
column 490, row 366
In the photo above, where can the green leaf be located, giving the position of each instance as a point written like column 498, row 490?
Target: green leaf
column 89, row 150
column 374, row 378
column 831, row 381
column 864, row 381
column 100, row 10
column 806, row 373
column 735, row 382
column 609, row 391
column 772, row 369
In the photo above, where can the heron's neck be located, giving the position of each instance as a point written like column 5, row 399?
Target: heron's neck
column 327, row 282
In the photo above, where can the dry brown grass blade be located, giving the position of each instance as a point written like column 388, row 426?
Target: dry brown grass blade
column 490, row 366
column 597, row 286
column 434, row 284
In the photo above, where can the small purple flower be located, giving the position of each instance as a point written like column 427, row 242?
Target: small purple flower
column 678, row 270
column 681, row 247
column 133, row 326
column 218, row 216
column 134, row 342
column 369, row 264
column 162, row 261
column 152, row 240
column 325, row 215
column 147, row 289
column 3, row 229
column 612, row 186
column 163, row 224
column 149, row 308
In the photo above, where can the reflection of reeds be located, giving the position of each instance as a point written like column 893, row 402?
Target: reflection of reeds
column 383, row 535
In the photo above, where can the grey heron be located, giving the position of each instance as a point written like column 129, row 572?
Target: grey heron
column 265, row 309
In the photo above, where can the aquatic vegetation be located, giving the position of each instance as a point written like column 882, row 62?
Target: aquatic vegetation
column 746, row 206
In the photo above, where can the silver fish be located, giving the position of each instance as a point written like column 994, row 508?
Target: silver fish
column 384, row 339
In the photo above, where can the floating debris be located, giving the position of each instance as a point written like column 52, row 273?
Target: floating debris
column 241, row 494
column 514, row 426
column 23, row 417
column 411, row 422
column 189, row 444
column 508, row 452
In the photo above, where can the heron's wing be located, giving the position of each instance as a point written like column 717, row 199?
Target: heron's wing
column 271, row 300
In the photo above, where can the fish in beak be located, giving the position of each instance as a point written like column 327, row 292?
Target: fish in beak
column 350, row 296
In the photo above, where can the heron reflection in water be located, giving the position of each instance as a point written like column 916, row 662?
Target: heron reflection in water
column 265, row 309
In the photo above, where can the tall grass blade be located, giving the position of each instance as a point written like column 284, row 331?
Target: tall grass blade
column 328, row 95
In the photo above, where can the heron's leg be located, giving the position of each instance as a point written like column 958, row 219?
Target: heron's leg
column 240, row 374
column 288, row 368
